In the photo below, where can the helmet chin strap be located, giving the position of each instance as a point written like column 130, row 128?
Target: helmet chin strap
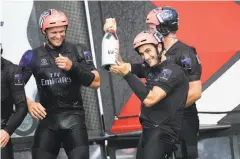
column 159, row 53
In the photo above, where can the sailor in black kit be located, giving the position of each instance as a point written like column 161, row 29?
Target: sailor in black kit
column 12, row 93
column 164, row 20
column 60, row 68
column 163, row 97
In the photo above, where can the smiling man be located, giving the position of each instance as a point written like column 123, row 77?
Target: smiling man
column 60, row 69
column 164, row 22
column 163, row 97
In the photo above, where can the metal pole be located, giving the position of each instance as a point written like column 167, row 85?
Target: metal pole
column 94, row 57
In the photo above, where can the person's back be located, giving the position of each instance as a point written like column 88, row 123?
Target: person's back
column 186, row 57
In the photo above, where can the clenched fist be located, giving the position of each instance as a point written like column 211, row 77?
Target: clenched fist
column 63, row 62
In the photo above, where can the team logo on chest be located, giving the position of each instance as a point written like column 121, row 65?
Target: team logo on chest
column 165, row 74
column 44, row 62
column 18, row 79
column 55, row 78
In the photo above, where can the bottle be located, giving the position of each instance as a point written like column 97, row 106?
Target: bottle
column 110, row 47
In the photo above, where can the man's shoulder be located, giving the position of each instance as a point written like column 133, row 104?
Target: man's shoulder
column 80, row 48
column 27, row 57
column 6, row 62
column 11, row 67
column 185, row 47
column 35, row 50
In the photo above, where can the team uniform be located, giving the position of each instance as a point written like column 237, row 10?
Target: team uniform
column 12, row 93
column 162, row 121
column 59, row 94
